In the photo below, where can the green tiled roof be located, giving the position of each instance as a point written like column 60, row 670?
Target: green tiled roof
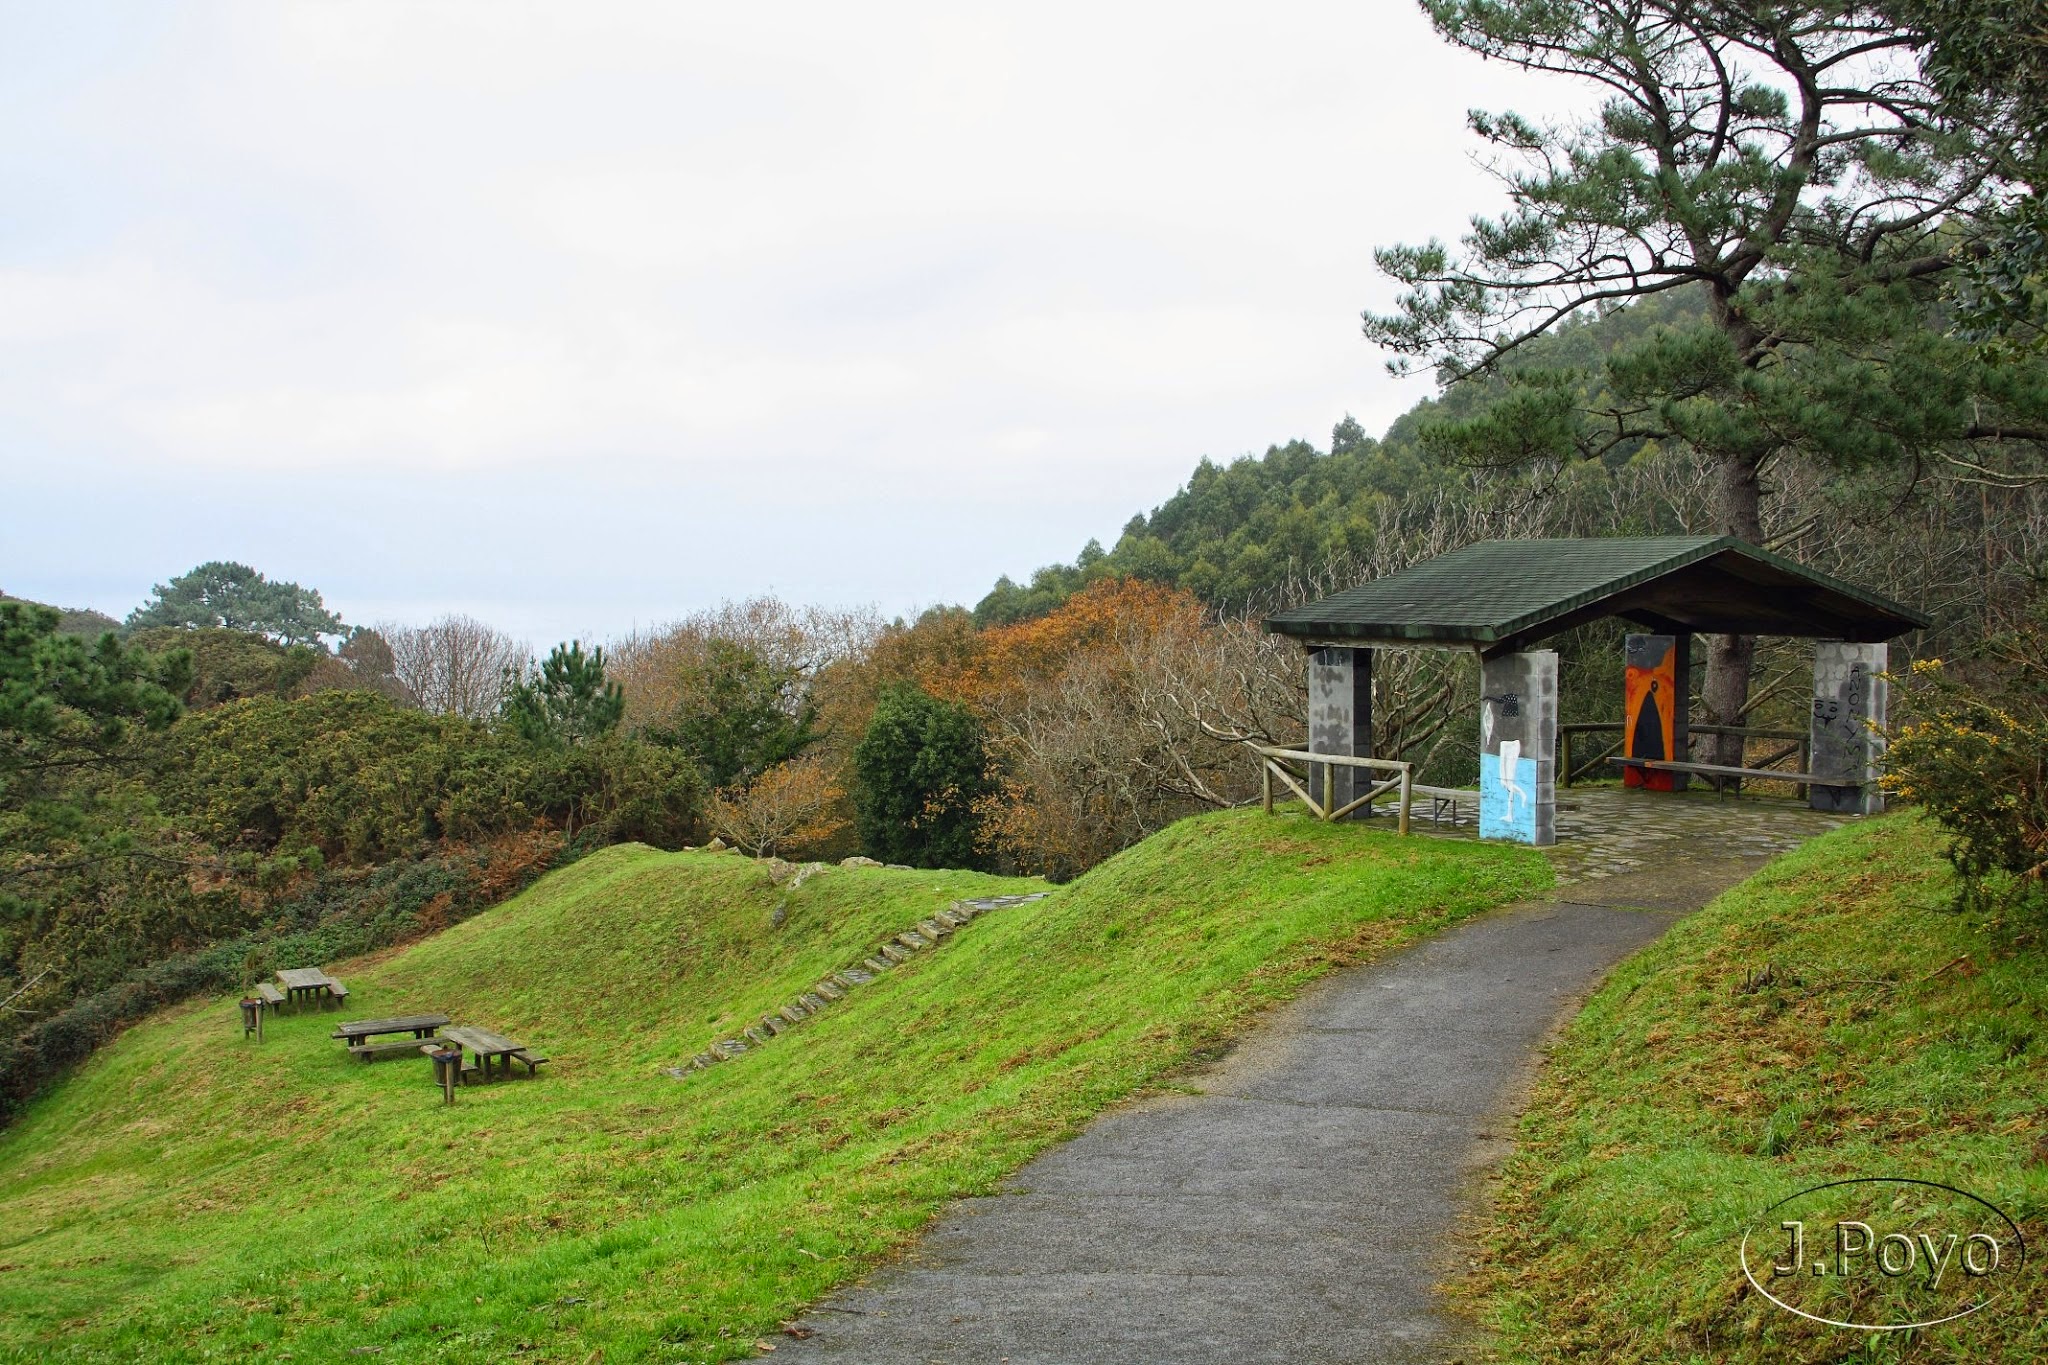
column 1498, row 595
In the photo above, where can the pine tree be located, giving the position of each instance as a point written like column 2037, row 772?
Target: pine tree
column 1787, row 164
column 568, row 701
column 235, row 596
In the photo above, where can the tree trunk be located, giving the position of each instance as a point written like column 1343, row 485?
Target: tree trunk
column 1725, row 690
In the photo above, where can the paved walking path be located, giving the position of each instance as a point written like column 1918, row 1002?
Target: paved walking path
column 1301, row 1206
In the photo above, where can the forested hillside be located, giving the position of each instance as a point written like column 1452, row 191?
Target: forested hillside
column 187, row 805
column 1262, row 530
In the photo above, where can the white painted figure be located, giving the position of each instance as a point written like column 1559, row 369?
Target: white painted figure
column 1510, row 753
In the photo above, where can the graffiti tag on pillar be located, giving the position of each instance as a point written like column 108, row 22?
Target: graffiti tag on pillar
column 1510, row 703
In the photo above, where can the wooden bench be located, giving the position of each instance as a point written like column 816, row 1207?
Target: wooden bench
column 1727, row 770
column 1439, row 797
column 336, row 993
column 372, row 1051
column 271, row 996
column 361, row 1030
column 529, row 1056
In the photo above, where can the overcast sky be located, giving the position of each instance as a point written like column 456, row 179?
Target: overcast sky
column 579, row 316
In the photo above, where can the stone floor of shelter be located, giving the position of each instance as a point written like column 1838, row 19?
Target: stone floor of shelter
column 1605, row 831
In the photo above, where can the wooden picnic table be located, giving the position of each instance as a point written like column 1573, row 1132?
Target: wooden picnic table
column 357, row 1034
column 302, row 982
column 358, row 1031
column 486, row 1045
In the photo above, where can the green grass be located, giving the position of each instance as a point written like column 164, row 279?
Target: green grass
column 1830, row 1018
column 186, row 1196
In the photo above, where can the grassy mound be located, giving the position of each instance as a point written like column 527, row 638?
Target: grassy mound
column 1830, row 1018
column 186, row 1195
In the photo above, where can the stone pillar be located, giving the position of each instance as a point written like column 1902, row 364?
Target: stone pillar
column 1518, row 747
column 1339, row 716
column 1849, row 704
column 1654, row 708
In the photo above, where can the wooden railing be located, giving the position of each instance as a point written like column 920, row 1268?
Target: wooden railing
column 1274, row 764
column 1569, row 772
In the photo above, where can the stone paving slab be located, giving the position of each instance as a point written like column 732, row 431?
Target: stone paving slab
column 1608, row 831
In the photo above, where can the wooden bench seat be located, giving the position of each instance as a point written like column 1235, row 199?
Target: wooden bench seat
column 1726, row 770
column 269, row 995
column 336, row 993
column 529, row 1056
column 370, row 1052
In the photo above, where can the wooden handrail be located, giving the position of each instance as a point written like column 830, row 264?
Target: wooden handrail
column 1272, row 765
column 1588, row 726
column 1570, row 771
column 1390, row 765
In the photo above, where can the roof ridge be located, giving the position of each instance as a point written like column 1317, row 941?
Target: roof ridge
column 1514, row 591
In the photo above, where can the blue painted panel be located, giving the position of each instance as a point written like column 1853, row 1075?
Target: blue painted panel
column 1507, row 808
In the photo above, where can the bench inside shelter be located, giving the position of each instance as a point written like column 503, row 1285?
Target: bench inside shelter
column 1727, row 770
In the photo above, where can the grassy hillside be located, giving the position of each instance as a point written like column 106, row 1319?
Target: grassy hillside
column 187, row 1196
column 1831, row 1018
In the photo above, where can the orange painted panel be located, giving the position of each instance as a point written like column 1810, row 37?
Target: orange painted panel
column 1650, row 701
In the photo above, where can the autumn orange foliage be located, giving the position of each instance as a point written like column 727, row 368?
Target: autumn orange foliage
column 1111, row 612
column 1093, row 714
column 793, row 805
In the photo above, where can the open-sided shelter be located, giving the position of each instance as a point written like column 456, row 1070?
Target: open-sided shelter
column 1500, row 598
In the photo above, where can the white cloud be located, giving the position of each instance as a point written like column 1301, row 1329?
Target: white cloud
column 1033, row 261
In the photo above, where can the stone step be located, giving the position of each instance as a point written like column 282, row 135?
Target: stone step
column 929, row 933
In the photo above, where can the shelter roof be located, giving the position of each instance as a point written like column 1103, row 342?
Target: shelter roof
column 1498, row 596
